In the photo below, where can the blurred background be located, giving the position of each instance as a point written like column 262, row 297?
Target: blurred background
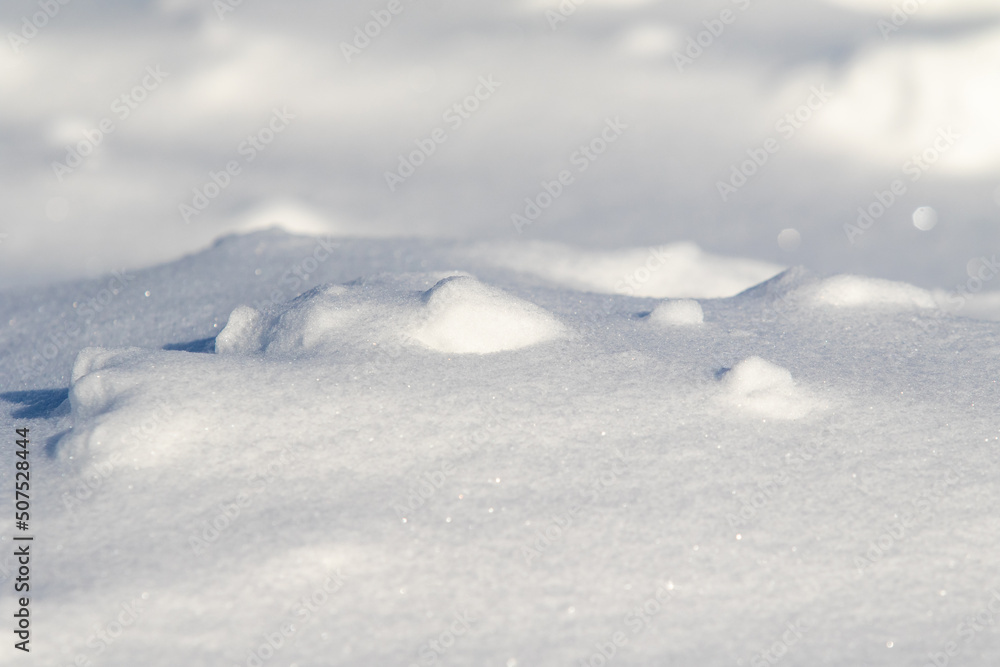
column 134, row 132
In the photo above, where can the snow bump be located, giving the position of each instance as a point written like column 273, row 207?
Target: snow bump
column 849, row 291
column 317, row 318
column 760, row 387
column 243, row 333
column 464, row 316
column 685, row 312
column 94, row 386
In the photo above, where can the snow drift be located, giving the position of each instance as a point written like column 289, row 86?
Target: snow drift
column 395, row 458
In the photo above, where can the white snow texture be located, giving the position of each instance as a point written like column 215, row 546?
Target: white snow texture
column 420, row 457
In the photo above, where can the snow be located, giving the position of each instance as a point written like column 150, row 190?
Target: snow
column 458, row 314
column 763, row 388
column 857, row 291
column 681, row 312
column 243, row 333
column 418, row 457
column 464, row 316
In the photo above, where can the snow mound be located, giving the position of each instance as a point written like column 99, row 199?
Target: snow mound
column 850, row 291
column 243, row 333
column 120, row 398
column 457, row 314
column 92, row 359
column 678, row 313
column 328, row 317
column 462, row 315
column 676, row 270
column 760, row 387
column 92, row 391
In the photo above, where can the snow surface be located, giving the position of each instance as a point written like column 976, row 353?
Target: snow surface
column 416, row 455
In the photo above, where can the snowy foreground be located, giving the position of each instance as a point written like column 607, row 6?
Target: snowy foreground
column 291, row 451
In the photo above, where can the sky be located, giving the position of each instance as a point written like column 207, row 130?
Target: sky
column 136, row 132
